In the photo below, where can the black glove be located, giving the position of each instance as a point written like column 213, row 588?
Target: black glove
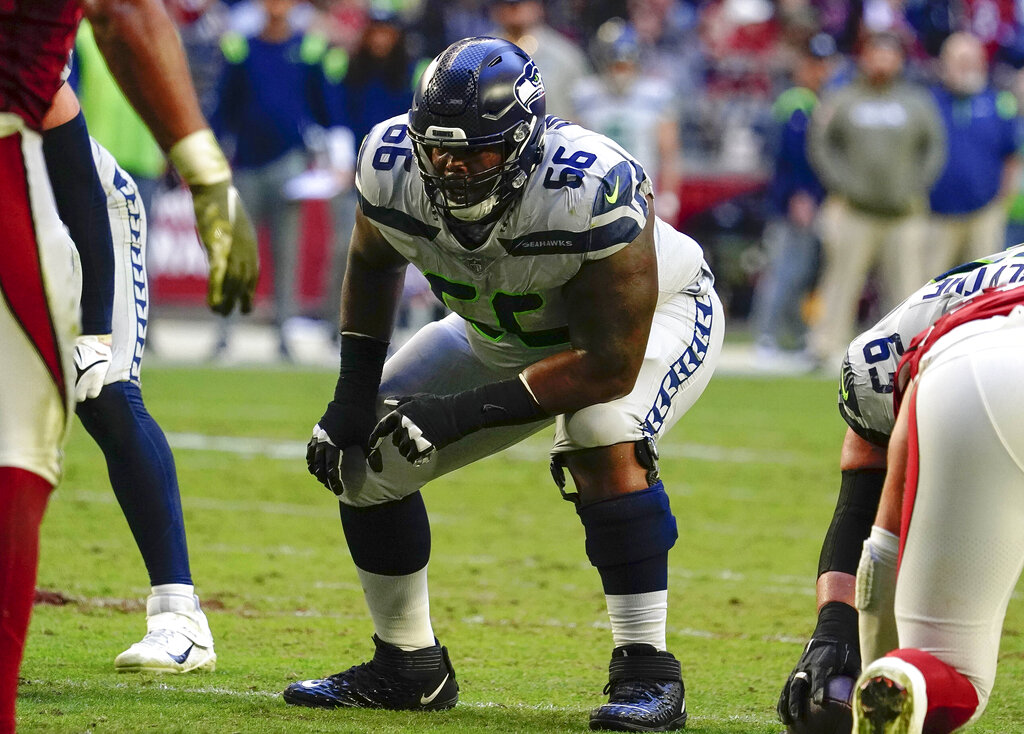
column 421, row 424
column 341, row 427
column 822, row 660
column 418, row 425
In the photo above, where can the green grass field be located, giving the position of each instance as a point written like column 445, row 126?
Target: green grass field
column 752, row 472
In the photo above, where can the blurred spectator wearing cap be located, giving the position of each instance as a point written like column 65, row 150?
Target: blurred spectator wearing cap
column 970, row 198
column 670, row 46
column 637, row 112
column 795, row 193
column 560, row 61
column 273, row 91
column 877, row 144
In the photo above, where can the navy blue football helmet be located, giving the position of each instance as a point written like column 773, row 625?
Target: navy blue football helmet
column 479, row 92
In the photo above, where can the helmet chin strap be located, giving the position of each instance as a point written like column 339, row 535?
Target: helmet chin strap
column 476, row 212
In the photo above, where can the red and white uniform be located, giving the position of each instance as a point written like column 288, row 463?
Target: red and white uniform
column 35, row 39
column 40, row 294
column 962, row 535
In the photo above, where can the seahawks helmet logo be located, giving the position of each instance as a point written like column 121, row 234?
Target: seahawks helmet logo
column 529, row 88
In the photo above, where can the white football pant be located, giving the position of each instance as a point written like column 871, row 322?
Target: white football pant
column 682, row 352
column 39, row 308
column 964, row 548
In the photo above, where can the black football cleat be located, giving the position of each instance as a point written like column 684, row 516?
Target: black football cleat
column 645, row 692
column 394, row 679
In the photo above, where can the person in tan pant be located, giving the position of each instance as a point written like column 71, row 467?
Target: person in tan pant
column 877, row 144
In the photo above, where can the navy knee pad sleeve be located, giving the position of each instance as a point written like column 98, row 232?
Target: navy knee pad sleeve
column 628, row 539
column 391, row 539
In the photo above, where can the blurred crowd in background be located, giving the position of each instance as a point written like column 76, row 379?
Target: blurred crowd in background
column 830, row 156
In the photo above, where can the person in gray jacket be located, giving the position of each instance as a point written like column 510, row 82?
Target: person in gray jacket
column 877, row 145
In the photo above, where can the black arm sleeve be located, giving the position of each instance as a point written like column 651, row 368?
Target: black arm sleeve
column 82, row 206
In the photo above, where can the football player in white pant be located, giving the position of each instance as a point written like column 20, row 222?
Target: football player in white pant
column 955, row 495
column 816, row 697
column 100, row 205
column 572, row 303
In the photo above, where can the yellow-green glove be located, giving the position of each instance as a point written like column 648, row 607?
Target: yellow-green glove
column 224, row 226
column 230, row 241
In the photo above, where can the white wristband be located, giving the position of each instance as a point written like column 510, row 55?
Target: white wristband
column 199, row 159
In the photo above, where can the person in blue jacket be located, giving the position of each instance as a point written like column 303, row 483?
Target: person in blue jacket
column 273, row 92
column 795, row 193
column 971, row 197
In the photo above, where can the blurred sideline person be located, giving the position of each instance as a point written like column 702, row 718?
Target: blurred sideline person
column 39, row 319
column 376, row 85
column 272, row 92
column 572, row 303
column 865, row 403
column 954, row 495
column 636, row 111
column 877, row 145
column 103, row 210
column 970, row 199
column 790, row 238
column 522, row 23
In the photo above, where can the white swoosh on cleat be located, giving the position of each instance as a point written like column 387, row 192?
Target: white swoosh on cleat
column 424, row 700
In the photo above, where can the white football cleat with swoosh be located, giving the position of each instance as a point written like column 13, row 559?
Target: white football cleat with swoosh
column 178, row 638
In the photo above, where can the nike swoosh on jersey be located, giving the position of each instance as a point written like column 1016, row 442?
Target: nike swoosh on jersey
column 615, row 194
column 82, row 371
column 424, row 700
column 179, row 659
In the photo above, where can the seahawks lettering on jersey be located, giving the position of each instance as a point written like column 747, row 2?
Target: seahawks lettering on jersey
column 585, row 201
column 865, row 393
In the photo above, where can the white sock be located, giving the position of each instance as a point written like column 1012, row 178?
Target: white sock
column 176, row 589
column 400, row 608
column 638, row 618
column 171, row 598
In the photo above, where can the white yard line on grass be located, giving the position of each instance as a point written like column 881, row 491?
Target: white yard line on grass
column 233, row 693
column 208, row 503
column 289, row 450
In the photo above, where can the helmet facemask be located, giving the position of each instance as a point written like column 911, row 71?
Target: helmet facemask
column 483, row 195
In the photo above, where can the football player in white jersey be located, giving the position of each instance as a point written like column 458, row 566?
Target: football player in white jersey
column 816, row 694
column 572, row 303
column 99, row 203
column 637, row 111
column 953, row 493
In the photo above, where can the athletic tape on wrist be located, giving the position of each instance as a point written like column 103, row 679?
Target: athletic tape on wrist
column 199, row 159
